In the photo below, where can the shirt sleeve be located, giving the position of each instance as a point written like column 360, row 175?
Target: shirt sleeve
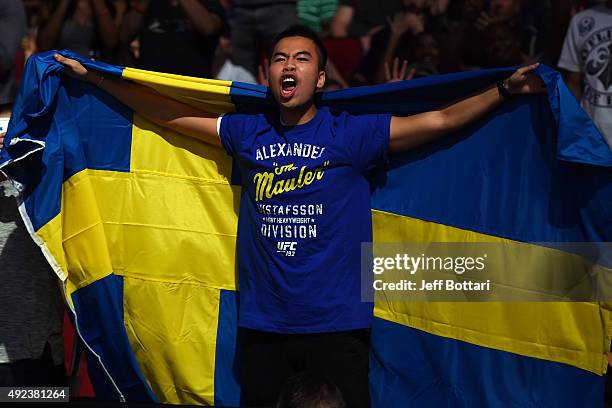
column 327, row 9
column 229, row 128
column 367, row 140
column 569, row 58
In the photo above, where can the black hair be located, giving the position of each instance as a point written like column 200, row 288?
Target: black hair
column 303, row 31
column 307, row 390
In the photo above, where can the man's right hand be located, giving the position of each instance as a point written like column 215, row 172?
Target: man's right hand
column 76, row 70
column 149, row 103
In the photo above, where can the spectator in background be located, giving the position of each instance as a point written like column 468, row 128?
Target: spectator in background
column 358, row 18
column 34, row 14
column 587, row 58
column 176, row 36
column 31, row 347
column 121, row 8
column 224, row 68
column 83, row 26
column 307, row 390
column 482, row 15
column 502, row 46
column 525, row 18
column 561, row 13
column 12, row 29
column 366, row 38
column 409, row 42
column 31, row 309
column 363, row 19
column 254, row 25
column 405, row 36
column 424, row 54
column 317, row 14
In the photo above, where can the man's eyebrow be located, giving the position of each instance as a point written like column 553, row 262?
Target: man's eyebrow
column 284, row 54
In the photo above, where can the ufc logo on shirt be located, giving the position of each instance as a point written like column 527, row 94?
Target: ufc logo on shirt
column 288, row 248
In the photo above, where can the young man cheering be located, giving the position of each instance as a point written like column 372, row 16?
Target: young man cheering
column 305, row 209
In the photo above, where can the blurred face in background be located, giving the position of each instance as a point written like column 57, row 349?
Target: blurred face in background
column 83, row 7
column 504, row 9
column 427, row 50
column 472, row 9
column 502, row 46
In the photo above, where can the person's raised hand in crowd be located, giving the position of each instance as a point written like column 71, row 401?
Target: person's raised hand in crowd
column 366, row 40
column 76, row 70
column 399, row 73
column 399, row 25
column 262, row 73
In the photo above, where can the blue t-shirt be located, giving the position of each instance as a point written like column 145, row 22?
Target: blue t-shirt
column 304, row 211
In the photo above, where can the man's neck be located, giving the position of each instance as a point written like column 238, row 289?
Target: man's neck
column 298, row 115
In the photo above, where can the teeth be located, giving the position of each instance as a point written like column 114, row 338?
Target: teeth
column 288, row 81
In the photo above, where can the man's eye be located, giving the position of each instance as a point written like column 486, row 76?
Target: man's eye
column 303, row 59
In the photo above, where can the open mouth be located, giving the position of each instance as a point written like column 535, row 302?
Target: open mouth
column 288, row 86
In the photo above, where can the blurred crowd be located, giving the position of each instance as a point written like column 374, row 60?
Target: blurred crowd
column 229, row 39
column 369, row 41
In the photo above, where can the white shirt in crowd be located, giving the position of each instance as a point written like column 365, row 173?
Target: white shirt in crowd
column 232, row 72
column 588, row 50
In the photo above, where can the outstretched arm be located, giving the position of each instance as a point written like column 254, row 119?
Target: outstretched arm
column 147, row 102
column 416, row 130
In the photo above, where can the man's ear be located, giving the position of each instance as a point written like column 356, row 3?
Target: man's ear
column 321, row 80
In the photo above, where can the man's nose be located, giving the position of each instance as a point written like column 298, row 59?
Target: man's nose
column 289, row 65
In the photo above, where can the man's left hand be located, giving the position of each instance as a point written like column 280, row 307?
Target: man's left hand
column 525, row 81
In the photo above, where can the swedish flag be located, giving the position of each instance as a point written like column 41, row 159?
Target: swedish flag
column 139, row 223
